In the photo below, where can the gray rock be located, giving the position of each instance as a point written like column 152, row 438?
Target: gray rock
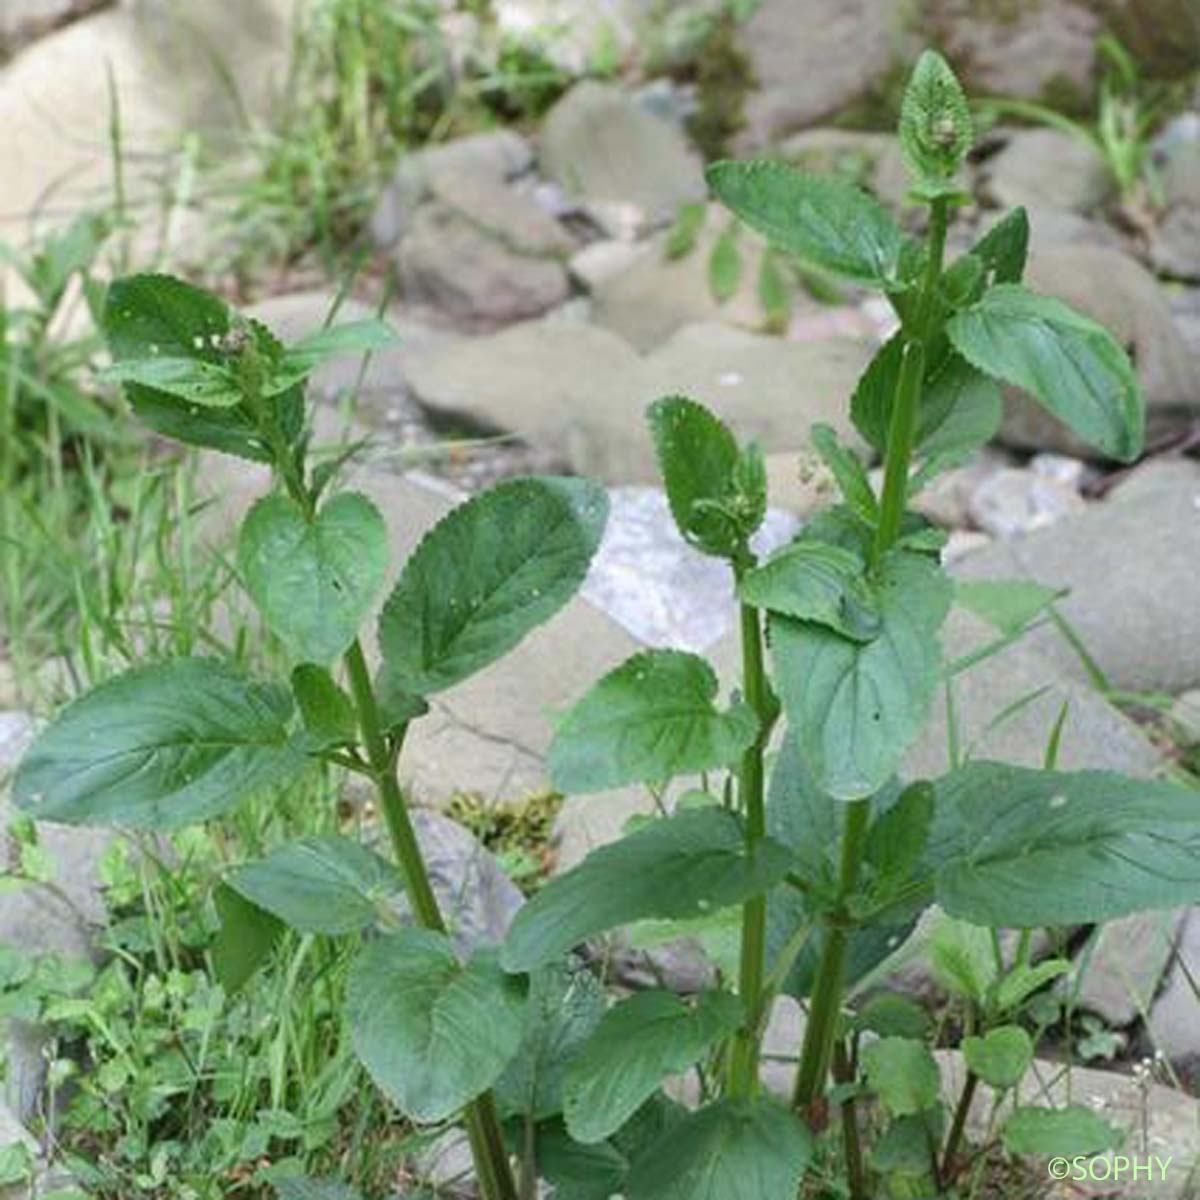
column 60, row 919
column 1039, row 51
column 1175, row 244
column 811, row 66
column 575, row 35
column 656, row 586
column 1185, row 716
column 601, row 261
column 946, row 500
column 1046, row 168
column 1120, row 977
column 1031, row 686
column 509, row 214
column 657, row 296
column 1013, row 502
column 22, row 21
column 451, row 264
column 1124, row 297
column 499, row 156
column 1155, row 1119
column 1134, row 593
column 1174, row 1025
column 602, row 148
column 1057, row 227
column 581, row 392
column 478, row 900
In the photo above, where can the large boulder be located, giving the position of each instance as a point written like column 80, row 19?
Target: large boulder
column 580, row 392
column 1134, row 601
column 1122, row 295
column 471, row 274
column 607, row 152
column 1032, row 49
column 575, row 35
column 813, row 63
column 1047, row 168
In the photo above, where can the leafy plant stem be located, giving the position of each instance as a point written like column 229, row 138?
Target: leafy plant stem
column 959, row 1124
column 908, row 391
column 817, row 1053
column 483, row 1125
column 744, row 1063
column 843, row 1070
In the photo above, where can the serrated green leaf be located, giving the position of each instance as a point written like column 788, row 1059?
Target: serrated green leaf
column 681, row 866
column 960, row 407
column 148, row 316
column 698, row 458
column 825, row 221
column 314, row 581
column 1001, row 1057
column 160, row 747
column 651, row 719
column 327, row 712
column 961, row 958
column 897, row 838
column 397, row 705
column 909, row 1146
column 245, row 939
column 497, row 566
column 730, row 1150
column 1008, row 605
column 1004, row 248
column 432, row 1032
column 565, row 1004
column 577, row 1172
column 1067, row 362
column 725, row 266
column 890, row 1014
column 1022, row 981
column 848, row 472
column 1024, row 848
column 903, row 1074
column 935, row 124
column 638, row 1044
column 813, row 581
column 189, row 379
column 856, row 707
column 1070, row 1131
column 320, row 884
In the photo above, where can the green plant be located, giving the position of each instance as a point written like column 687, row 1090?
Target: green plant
column 821, row 856
column 1129, row 111
column 184, row 740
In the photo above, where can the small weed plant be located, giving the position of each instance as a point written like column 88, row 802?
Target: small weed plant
column 789, row 820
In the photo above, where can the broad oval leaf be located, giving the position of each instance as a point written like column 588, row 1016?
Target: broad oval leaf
column 686, row 865
column 697, row 456
column 314, row 580
column 244, row 941
column 856, row 707
column 1004, row 248
column 903, row 1074
column 321, row 884
column 565, row 1004
column 432, row 1032
column 814, row 581
column 328, row 713
column 638, row 1044
column 824, row 220
column 190, row 379
column 160, row 747
column 730, row 1150
column 147, row 316
column 647, row 721
column 1067, row 362
column 498, row 565
column 1071, row 1130
column 1023, row 848
column 1001, row 1057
